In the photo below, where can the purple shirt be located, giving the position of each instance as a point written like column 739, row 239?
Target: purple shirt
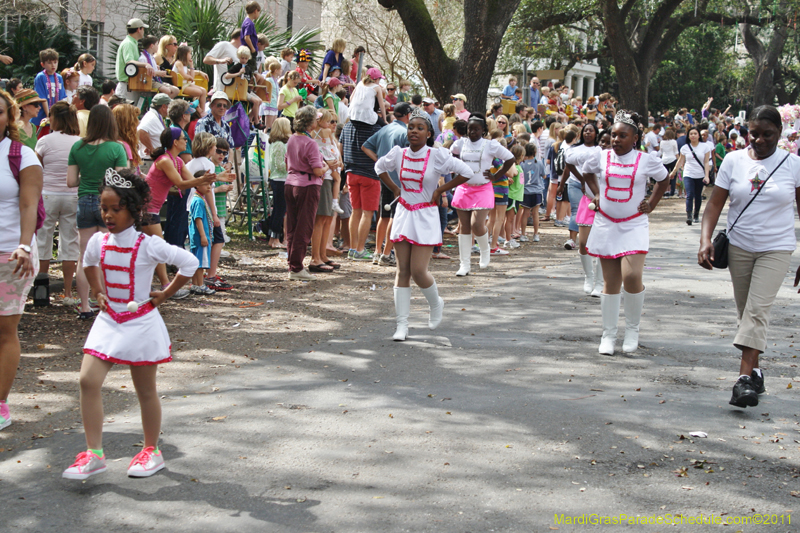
column 249, row 28
column 302, row 156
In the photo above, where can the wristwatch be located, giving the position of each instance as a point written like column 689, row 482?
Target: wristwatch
column 25, row 248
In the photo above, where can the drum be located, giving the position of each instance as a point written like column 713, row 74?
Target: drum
column 509, row 107
column 235, row 88
column 138, row 78
column 264, row 91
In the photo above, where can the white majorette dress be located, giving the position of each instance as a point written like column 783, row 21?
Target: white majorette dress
column 416, row 219
column 577, row 156
column 619, row 228
column 477, row 193
column 127, row 260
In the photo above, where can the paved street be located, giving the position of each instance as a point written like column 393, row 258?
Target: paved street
column 501, row 419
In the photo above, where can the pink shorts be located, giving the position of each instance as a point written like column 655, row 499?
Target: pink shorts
column 13, row 290
column 365, row 193
column 473, row 198
column 585, row 216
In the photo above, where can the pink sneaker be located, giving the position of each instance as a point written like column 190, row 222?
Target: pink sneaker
column 5, row 415
column 86, row 464
column 146, row 463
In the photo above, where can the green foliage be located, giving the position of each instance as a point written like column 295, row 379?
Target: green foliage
column 31, row 36
column 699, row 65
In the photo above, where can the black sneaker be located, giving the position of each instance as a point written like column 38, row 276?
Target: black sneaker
column 758, row 382
column 744, row 394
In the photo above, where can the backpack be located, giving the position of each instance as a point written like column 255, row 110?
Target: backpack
column 560, row 164
column 14, row 162
column 237, row 118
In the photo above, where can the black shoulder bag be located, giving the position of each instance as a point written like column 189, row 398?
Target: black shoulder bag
column 720, row 242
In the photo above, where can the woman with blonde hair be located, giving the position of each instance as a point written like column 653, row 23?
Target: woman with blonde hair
column 278, row 137
column 127, row 117
column 333, row 58
column 167, row 52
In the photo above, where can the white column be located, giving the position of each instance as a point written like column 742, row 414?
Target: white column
column 578, row 88
column 590, row 89
column 568, row 80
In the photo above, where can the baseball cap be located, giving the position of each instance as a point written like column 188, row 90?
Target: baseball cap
column 402, row 109
column 220, row 95
column 136, row 23
column 459, row 96
column 428, row 101
column 375, row 74
column 161, row 99
column 333, row 82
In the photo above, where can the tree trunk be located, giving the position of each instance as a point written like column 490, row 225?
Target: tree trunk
column 765, row 60
column 485, row 23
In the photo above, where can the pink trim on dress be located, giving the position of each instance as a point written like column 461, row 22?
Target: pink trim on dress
column 632, row 178
column 619, row 220
column 415, row 243
column 417, row 182
column 110, row 359
column 127, row 316
column 415, row 207
column 131, row 270
column 617, row 256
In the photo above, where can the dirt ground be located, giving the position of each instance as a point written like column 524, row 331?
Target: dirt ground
column 264, row 315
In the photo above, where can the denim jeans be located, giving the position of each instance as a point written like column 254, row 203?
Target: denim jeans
column 694, row 193
column 575, row 195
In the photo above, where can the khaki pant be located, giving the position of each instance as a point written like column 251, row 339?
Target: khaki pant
column 756, row 279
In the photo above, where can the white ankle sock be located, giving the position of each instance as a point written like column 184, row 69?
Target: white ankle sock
column 758, row 371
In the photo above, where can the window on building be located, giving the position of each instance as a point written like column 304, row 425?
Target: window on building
column 9, row 26
column 91, row 40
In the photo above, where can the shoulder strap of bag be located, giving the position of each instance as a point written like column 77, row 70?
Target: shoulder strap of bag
column 757, row 192
column 15, row 158
column 695, row 157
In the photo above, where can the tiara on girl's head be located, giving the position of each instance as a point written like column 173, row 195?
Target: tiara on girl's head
column 625, row 118
column 113, row 179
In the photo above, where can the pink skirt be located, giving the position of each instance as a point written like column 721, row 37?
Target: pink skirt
column 585, row 216
column 473, row 198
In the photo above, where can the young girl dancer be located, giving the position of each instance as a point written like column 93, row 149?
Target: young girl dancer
column 122, row 262
column 475, row 198
column 619, row 234
column 416, row 228
column 574, row 159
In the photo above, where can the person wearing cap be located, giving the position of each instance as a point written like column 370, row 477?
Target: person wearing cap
column 128, row 52
column 306, row 82
column 86, row 97
column 459, row 100
column 429, row 106
column 362, row 181
column 152, row 124
column 149, row 46
column 212, row 123
column 29, row 105
column 377, row 146
column 327, row 98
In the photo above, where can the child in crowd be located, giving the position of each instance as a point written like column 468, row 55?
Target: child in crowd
column 185, row 67
column 221, row 190
column 287, row 65
column 85, row 66
column 71, row 81
column 199, row 235
column 269, row 109
column 516, row 192
column 344, row 77
column 329, row 149
column 404, row 94
column 497, row 215
column 120, row 265
column 243, row 70
column 533, row 171
column 48, row 84
column 261, row 58
column 449, row 118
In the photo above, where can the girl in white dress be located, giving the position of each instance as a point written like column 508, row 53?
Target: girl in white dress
column 620, row 232
column 120, row 266
column 416, row 228
column 473, row 200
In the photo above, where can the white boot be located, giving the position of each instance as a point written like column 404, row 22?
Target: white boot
column 633, row 314
column 402, row 307
column 598, row 278
column 588, row 280
column 436, row 303
column 483, row 244
column 609, row 305
column 464, row 251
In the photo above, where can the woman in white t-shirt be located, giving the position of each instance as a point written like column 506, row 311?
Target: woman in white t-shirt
column 60, row 201
column 761, row 242
column 19, row 260
column 694, row 159
column 669, row 156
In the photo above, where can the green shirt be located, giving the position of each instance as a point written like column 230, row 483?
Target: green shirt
column 720, row 150
column 93, row 160
column 30, row 142
column 128, row 51
column 516, row 186
column 288, row 94
column 220, row 198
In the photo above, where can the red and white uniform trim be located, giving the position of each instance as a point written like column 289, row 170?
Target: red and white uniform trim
column 416, row 218
column 127, row 261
